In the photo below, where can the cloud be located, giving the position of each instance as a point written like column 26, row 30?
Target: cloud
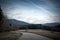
column 31, row 11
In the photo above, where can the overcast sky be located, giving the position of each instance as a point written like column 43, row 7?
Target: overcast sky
column 32, row 11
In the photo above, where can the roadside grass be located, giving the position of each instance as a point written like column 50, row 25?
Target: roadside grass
column 14, row 35
column 50, row 34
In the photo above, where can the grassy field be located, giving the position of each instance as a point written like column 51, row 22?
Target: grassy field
column 13, row 35
column 50, row 34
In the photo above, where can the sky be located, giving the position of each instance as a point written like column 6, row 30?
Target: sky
column 32, row 11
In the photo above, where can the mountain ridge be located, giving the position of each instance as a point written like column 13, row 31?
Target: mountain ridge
column 14, row 21
column 52, row 24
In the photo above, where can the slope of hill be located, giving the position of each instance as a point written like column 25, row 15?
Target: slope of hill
column 51, row 24
column 14, row 21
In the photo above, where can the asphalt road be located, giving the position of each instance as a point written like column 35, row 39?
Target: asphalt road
column 31, row 36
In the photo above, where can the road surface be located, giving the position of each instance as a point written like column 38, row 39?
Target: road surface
column 31, row 36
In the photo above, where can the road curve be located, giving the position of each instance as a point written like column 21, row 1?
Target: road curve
column 31, row 36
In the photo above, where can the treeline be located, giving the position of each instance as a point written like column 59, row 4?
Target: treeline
column 40, row 26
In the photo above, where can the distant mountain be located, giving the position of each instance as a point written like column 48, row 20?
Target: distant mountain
column 51, row 24
column 14, row 21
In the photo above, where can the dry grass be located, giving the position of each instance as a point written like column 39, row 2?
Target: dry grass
column 14, row 35
column 50, row 34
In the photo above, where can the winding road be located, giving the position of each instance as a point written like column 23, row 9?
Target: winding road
column 31, row 36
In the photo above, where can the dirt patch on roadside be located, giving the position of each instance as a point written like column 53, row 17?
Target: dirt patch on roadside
column 14, row 35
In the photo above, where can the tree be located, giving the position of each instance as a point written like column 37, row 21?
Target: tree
column 4, row 26
column 1, row 17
